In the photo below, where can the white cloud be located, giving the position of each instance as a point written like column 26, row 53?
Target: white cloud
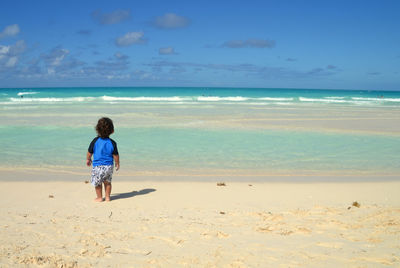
column 10, row 30
column 12, row 61
column 143, row 75
column 55, row 57
column 130, row 39
column 170, row 21
column 4, row 50
column 9, row 54
column 118, row 77
column 119, row 62
column 166, row 51
column 18, row 48
column 57, row 60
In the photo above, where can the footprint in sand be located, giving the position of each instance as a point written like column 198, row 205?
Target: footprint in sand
column 51, row 261
column 267, row 229
column 218, row 234
column 270, row 217
column 286, row 232
column 298, row 230
column 168, row 240
column 303, row 230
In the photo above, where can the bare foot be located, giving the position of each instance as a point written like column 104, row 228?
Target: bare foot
column 108, row 199
column 99, row 199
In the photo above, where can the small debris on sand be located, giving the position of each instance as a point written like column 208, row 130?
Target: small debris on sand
column 250, row 184
column 222, row 213
column 221, row 184
column 51, row 196
column 355, row 204
column 86, row 182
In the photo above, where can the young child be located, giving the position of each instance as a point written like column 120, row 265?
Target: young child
column 105, row 153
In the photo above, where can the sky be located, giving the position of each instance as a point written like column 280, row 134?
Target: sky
column 330, row 44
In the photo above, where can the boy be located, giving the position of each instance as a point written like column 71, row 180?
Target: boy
column 105, row 153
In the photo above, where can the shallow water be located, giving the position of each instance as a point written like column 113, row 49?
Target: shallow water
column 159, row 131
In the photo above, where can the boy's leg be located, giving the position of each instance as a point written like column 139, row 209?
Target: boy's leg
column 107, row 188
column 99, row 193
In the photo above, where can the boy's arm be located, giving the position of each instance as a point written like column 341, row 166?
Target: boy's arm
column 116, row 160
column 90, row 152
column 89, row 159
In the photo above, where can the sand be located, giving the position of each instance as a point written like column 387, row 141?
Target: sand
column 200, row 224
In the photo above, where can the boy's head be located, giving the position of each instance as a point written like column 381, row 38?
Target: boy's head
column 105, row 127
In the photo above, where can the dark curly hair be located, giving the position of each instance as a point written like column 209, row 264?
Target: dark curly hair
column 105, row 127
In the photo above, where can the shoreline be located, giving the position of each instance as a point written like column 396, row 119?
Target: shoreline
column 80, row 175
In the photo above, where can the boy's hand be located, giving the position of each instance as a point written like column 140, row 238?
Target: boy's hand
column 116, row 161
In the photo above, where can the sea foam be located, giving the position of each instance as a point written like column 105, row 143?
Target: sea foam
column 377, row 99
column 216, row 98
column 72, row 99
column 27, row 93
column 275, row 99
column 172, row 99
column 322, row 100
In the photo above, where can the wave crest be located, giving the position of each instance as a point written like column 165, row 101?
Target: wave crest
column 27, row 93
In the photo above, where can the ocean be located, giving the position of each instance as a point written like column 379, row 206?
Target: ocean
column 179, row 132
column 249, row 96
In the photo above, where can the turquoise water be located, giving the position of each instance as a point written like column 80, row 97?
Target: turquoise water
column 160, row 149
column 189, row 131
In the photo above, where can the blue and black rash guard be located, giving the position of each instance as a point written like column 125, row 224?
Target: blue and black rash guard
column 103, row 150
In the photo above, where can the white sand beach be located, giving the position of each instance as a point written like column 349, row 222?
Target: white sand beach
column 200, row 224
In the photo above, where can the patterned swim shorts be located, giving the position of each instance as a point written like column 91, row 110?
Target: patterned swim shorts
column 101, row 174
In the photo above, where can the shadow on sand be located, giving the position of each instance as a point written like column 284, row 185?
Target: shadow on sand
column 131, row 194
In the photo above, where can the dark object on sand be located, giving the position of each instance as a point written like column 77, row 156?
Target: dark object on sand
column 86, row 182
column 51, row 196
column 221, row 184
column 355, row 204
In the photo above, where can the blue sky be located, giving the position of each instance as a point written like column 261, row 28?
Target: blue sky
column 345, row 44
